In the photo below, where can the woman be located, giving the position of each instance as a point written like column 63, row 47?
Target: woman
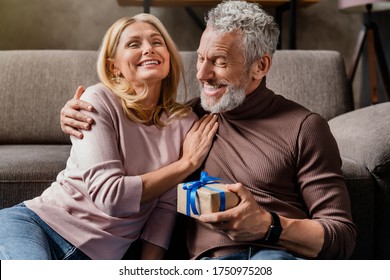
column 118, row 182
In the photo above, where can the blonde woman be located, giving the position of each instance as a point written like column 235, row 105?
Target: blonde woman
column 118, row 185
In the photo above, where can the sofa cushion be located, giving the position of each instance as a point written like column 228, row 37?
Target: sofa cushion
column 314, row 79
column 363, row 136
column 294, row 75
column 34, row 85
column 361, row 189
column 26, row 170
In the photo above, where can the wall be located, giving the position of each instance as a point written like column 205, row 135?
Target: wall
column 80, row 24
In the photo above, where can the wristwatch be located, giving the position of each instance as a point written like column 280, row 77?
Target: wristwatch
column 275, row 230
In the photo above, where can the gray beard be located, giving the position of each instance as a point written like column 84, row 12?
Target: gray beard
column 234, row 97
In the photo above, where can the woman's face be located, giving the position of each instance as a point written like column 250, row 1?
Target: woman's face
column 142, row 55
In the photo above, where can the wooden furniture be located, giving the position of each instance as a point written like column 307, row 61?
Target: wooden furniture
column 369, row 34
column 279, row 5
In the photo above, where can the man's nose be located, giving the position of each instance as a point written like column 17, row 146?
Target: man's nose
column 205, row 71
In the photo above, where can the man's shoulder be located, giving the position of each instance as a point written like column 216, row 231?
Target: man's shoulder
column 291, row 107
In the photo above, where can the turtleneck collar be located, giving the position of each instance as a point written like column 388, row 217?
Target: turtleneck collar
column 253, row 104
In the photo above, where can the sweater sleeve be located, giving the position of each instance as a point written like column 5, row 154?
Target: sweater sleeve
column 161, row 220
column 323, row 187
column 98, row 161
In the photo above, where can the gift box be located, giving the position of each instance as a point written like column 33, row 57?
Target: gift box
column 208, row 195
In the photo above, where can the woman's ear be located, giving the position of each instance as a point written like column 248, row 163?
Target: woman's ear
column 112, row 68
column 261, row 67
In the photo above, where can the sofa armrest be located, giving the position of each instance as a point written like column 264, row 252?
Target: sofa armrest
column 363, row 136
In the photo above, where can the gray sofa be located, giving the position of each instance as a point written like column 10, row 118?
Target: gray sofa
column 34, row 85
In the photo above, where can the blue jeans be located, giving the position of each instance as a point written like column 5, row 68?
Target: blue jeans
column 25, row 236
column 255, row 253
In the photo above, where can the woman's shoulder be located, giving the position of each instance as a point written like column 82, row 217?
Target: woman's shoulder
column 191, row 116
column 97, row 90
column 102, row 100
column 185, row 122
column 99, row 94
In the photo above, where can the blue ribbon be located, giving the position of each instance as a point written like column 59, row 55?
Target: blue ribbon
column 192, row 187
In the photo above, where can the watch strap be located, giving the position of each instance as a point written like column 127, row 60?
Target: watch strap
column 275, row 229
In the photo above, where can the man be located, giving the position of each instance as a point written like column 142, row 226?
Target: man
column 293, row 199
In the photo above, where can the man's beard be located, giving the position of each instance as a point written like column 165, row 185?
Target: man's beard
column 231, row 99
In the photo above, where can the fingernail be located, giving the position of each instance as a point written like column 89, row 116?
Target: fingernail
column 89, row 108
column 89, row 120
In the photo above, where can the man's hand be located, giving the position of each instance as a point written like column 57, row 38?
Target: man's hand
column 245, row 222
column 71, row 119
column 248, row 222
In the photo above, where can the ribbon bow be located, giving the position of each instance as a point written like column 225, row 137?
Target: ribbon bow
column 192, row 187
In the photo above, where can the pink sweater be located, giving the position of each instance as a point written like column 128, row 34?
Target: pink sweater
column 95, row 201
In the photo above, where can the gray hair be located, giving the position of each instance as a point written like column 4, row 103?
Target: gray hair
column 259, row 30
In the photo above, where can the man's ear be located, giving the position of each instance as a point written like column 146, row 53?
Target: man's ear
column 261, row 67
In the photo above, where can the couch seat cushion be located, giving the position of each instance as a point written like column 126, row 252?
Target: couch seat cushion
column 26, row 170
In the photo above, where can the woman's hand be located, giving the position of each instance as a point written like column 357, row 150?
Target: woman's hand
column 71, row 119
column 199, row 139
column 195, row 148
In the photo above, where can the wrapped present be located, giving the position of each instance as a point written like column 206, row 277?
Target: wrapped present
column 208, row 195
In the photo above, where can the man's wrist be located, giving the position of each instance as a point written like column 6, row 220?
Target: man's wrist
column 274, row 231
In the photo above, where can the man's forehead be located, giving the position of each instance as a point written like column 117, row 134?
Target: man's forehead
column 217, row 40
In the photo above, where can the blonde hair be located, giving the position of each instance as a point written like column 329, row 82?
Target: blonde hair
column 131, row 103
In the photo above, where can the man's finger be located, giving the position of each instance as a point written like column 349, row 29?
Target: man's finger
column 73, row 122
column 240, row 190
column 80, row 90
column 69, row 130
column 218, row 218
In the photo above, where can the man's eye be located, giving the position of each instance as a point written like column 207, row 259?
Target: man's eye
column 220, row 62
column 200, row 59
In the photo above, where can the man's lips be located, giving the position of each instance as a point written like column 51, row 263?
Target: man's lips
column 213, row 90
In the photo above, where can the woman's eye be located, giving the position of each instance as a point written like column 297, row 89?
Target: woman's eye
column 157, row 43
column 133, row 44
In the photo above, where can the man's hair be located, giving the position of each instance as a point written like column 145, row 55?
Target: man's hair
column 259, row 30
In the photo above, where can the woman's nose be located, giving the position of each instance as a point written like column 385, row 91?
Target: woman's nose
column 148, row 48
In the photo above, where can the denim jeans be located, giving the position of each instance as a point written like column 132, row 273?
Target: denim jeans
column 25, row 236
column 254, row 253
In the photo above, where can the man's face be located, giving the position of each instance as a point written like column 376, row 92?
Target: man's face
column 221, row 71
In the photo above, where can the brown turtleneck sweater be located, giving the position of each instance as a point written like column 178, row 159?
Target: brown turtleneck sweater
column 287, row 157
